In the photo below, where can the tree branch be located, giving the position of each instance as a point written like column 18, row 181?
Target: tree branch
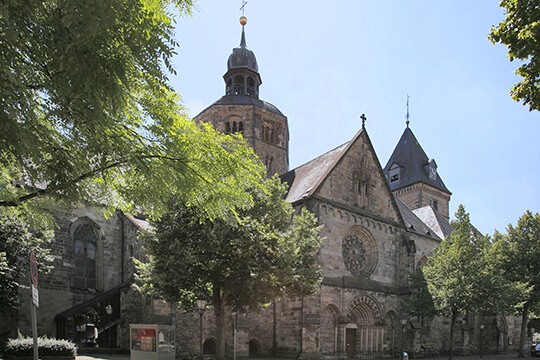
column 90, row 174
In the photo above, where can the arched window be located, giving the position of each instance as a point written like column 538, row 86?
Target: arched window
column 268, row 163
column 229, row 90
column 268, row 132
column 234, row 127
column 251, row 87
column 239, row 85
column 84, row 257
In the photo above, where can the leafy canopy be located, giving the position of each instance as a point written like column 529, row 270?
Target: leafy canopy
column 520, row 32
column 456, row 274
column 516, row 257
column 248, row 260
column 87, row 114
column 16, row 243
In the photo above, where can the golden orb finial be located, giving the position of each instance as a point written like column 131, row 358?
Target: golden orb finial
column 243, row 20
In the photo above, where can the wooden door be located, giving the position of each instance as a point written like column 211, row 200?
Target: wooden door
column 350, row 342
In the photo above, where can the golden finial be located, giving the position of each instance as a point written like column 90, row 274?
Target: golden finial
column 243, row 20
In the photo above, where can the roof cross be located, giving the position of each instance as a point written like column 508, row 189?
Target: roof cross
column 364, row 118
column 244, row 3
column 408, row 116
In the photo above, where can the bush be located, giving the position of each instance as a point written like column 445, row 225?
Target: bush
column 24, row 346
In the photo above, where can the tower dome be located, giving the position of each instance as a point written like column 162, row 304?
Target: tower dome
column 242, row 77
column 242, row 57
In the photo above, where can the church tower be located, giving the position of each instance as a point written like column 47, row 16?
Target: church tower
column 240, row 110
column 413, row 177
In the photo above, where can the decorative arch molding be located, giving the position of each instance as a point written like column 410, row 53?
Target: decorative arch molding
column 365, row 310
column 359, row 250
column 333, row 309
column 330, row 318
column 85, row 220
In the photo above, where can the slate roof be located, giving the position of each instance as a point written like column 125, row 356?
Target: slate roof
column 434, row 220
column 414, row 223
column 412, row 159
column 244, row 100
column 305, row 179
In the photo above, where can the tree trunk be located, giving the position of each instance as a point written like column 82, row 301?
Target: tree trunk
column 219, row 312
column 452, row 326
column 524, row 321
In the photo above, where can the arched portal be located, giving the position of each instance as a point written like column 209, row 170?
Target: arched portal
column 329, row 330
column 209, row 347
column 371, row 335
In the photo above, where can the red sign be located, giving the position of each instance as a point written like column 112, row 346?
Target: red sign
column 33, row 269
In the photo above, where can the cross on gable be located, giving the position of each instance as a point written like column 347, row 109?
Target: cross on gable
column 364, row 118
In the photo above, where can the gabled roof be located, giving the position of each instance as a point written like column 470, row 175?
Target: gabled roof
column 414, row 223
column 434, row 220
column 305, row 179
column 414, row 162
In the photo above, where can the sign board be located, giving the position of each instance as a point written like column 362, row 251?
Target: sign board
column 313, row 319
column 33, row 269
column 35, row 295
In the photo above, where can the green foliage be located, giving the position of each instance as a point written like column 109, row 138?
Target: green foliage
column 520, row 32
column 87, row 114
column 24, row 346
column 420, row 303
column 516, row 255
column 456, row 274
column 245, row 260
column 247, row 257
column 17, row 241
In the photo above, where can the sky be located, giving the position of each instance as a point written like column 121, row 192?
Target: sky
column 323, row 64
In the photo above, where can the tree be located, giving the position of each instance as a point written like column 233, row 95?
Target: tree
column 520, row 32
column 518, row 253
column 457, row 275
column 420, row 303
column 16, row 243
column 87, row 114
column 248, row 259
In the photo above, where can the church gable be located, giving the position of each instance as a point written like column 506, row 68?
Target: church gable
column 357, row 180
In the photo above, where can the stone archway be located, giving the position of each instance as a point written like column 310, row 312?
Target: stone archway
column 365, row 312
column 329, row 334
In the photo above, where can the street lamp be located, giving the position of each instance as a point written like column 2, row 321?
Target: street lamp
column 481, row 337
column 201, row 307
column 108, row 309
column 403, row 322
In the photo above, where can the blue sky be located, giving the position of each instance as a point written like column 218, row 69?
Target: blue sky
column 323, row 64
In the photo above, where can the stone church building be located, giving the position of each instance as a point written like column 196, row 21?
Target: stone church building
column 380, row 224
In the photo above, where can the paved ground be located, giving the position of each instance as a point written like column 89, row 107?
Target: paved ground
column 509, row 355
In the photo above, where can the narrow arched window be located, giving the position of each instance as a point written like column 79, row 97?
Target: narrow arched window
column 240, row 127
column 229, row 87
column 234, row 128
column 251, row 90
column 268, row 132
column 84, row 245
column 227, row 128
column 239, row 85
